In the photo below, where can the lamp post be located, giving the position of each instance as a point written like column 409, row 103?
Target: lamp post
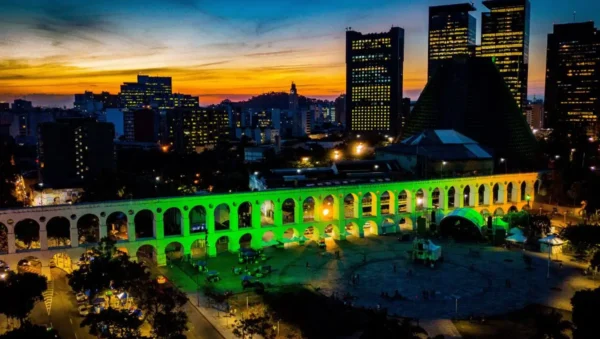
column 442, row 168
column 504, row 161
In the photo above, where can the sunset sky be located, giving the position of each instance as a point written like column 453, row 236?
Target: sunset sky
column 221, row 49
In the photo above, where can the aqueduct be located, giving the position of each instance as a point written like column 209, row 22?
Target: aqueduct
column 217, row 223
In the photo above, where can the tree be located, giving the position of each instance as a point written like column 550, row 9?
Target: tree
column 160, row 300
column 582, row 237
column 551, row 326
column 170, row 324
column 28, row 331
column 254, row 325
column 595, row 262
column 19, row 292
column 585, row 306
column 113, row 323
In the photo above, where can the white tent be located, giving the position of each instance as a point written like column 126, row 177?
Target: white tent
column 514, row 231
column 551, row 244
column 517, row 238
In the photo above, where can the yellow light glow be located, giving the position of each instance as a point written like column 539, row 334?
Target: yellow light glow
column 305, row 159
column 326, row 212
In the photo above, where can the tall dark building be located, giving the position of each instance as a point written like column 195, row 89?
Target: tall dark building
column 192, row 129
column 468, row 95
column 505, row 39
column 148, row 91
column 573, row 78
column 141, row 125
column 20, row 105
column 340, row 109
column 374, row 74
column 452, row 31
column 73, row 150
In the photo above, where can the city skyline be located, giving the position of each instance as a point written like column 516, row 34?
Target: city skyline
column 50, row 52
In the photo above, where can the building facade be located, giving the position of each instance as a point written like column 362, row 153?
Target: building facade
column 374, row 75
column 73, row 150
column 452, row 31
column 192, row 130
column 141, row 125
column 573, row 78
column 505, row 39
column 148, row 91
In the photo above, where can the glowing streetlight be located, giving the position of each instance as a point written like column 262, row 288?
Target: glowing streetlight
column 390, row 139
column 359, row 149
column 165, row 148
column 376, row 166
column 557, row 157
column 505, row 162
column 305, row 159
column 593, row 168
column 336, row 155
column 419, row 201
column 325, row 212
column 157, row 179
column 442, row 168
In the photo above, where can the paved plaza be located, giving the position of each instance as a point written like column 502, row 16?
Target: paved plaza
column 465, row 284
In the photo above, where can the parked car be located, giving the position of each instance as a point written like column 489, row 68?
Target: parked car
column 84, row 310
column 81, row 297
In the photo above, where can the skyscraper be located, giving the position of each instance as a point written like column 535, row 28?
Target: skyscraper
column 505, row 39
column 192, row 129
column 374, row 74
column 73, row 150
column 452, row 31
column 573, row 78
column 148, row 91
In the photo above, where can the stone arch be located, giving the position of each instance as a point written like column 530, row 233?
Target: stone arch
column 524, row 192
column 88, row 229
column 291, row 235
column 146, row 253
column 245, row 241
column 269, row 239
column 30, row 264
column 498, row 193
column 499, row 212
column 58, row 232
column 513, row 209
column 404, row 198
column 172, row 222
column 288, row 208
column 351, row 206
column 452, row 203
column 368, row 202
column 222, row 244
column 197, row 217
column 352, row 229
column 467, row 201
column 27, row 235
column 485, row 213
column 198, row 249
column 420, row 200
column 512, row 190
column 174, row 251
column 116, row 226
column 436, row 198
column 484, row 192
column 386, row 202
column 328, row 208
column 267, row 213
column 311, row 233
column 370, row 228
column 462, row 224
column 144, row 224
column 3, row 239
column 245, row 215
column 405, row 225
column 63, row 261
column 388, row 226
column 332, row 231
column 308, row 209
column 222, row 217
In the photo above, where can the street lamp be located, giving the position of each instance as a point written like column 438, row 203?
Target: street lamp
column 505, row 162
column 442, row 168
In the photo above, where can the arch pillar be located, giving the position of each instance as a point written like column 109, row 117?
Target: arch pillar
column 411, row 203
column 342, row 231
column 486, row 195
column 234, row 246
column 255, row 243
column 131, row 230
column 212, row 250
column 340, row 212
column 255, row 216
column 298, row 212
column 501, row 195
column 43, row 238
column 427, row 199
column 278, row 218
column 474, row 197
column 185, row 224
column 12, row 246
column 74, row 236
column 234, row 219
column 161, row 256
column 360, row 228
column 103, row 230
column 459, row 199
column 159, row 226
column 210, row 221
column 443, row 200
column 515, row 195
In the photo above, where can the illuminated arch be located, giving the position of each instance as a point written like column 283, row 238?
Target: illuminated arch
column 368, row 201
column 88, row 229
column 245, row 215
column 350, row 206
column 58, row 231
column 144, row 224
column 198, row 219
column 222, row 216
column 308, row 209
column 117, row 226
column 328, row 209
column 267, row 213
column 288, row 209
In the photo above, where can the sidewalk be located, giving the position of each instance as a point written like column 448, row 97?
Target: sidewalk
column 216, row 318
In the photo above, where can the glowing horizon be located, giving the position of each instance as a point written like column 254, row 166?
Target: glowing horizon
column 231, row 49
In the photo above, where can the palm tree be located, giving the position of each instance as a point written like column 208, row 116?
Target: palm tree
column 551, row 326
